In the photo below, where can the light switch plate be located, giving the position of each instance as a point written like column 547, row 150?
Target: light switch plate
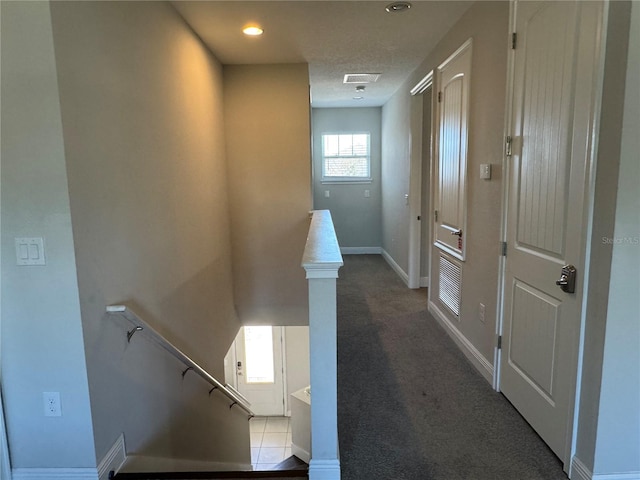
column 30, row 251
column 485, row 171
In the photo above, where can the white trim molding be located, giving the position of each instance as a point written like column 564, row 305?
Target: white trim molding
column 579, row 471
column 360, row 250
column 5, row 461
column 55, row 474
column 300, row 452
column 472, row 353
column 616, row 476
column 324, row 470
column 424, row 282
column 392, row 263
column 114, row 459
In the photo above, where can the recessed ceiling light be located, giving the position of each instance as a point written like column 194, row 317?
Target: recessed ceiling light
column 252, row 30
column 398, row 7
column 358, row 98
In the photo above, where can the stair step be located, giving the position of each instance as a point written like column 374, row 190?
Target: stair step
column 291, row 468
column 238, row 475
column 292, row 463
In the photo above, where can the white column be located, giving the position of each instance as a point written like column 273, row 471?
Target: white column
column 321, row 261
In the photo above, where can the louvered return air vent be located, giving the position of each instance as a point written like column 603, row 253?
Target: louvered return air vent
column 450, row 280
column 361, row 77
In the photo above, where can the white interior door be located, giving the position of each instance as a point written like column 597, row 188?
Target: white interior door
column 453, row 80
column 551, row 125
column 259, row 368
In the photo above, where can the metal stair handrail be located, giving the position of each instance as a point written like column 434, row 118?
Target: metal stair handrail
column 140, row 325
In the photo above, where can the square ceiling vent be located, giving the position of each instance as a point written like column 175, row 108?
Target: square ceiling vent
column 361, row 77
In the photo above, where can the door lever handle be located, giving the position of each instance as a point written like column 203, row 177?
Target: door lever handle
column 567, row 280
column 457, row 232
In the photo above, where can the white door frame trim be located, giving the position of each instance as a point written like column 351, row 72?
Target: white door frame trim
column 415, row 181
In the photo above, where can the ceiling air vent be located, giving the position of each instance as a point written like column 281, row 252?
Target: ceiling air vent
column 361, row 77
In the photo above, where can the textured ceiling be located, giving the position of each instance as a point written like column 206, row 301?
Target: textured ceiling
column 333, row 37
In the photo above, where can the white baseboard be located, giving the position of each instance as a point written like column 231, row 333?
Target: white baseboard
column 472, row 353
column 580, row 472
column 300, row 452
column 424, row 282
column 324, row 469
column 617, row 476
column 360, row 250
column 54, row 474
column 392, row 263
column 114, row 459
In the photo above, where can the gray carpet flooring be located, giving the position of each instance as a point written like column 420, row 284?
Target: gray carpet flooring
column 410, row 404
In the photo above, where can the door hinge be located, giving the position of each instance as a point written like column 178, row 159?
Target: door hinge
column 504, row 249
column 436, row 215
column 508, row 144
column 499, row 342
column 514, row 40
column 439, row 97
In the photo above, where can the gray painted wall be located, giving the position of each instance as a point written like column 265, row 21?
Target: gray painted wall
column 141, row 101
column 297, row 348
column 396, row 151
column 42, row 347
column 609, row 428
column 357, row 219
column 486, row 23
column 618, row 444
column 601, row 329
column 267, row 132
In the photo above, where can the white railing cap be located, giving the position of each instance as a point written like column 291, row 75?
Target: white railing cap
column 322, row 258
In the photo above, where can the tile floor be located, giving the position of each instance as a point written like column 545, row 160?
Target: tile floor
column 270, row 441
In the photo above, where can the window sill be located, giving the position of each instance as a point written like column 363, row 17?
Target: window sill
column 347, row 182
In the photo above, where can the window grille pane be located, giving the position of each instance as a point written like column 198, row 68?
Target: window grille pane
column 346, row 167
column 361, row 145
column 331, row 147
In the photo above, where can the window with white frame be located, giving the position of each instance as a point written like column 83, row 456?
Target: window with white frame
column 346, row 157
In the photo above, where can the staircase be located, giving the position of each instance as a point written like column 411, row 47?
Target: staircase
column 291, row 468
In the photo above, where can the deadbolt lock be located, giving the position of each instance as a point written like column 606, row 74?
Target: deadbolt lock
column 567, row 281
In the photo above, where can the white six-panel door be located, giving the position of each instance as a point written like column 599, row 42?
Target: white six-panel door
column 555, row 63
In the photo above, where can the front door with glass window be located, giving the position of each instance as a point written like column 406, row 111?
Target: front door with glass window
column 259, row 368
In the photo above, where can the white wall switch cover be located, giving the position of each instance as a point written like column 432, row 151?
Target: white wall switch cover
column 485, row 171
column 367, row 193
column 30, row 251
column 327, row 193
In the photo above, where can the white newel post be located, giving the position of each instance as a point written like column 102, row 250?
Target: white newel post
column 321, row 260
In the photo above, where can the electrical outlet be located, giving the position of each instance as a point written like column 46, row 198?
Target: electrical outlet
column 52, row 406
column 481, row 312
